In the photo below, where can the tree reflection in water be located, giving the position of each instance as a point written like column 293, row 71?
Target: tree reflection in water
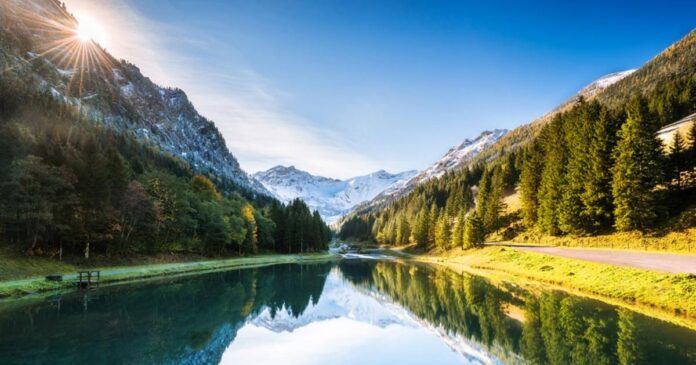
column 194, row 319
column 556, row 328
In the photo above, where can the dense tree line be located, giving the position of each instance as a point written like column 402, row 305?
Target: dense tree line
column 439, row 213
column 298, row 228
column 591, row 170
column 71, row 186
column 594, row 169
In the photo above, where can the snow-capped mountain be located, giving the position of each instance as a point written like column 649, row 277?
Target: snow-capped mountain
column 603, row 82
column 112, row 92
column 457, row 156
column 331, row 197
column 460, row 154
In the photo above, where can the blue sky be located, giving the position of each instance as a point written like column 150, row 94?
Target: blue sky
column 342, row 88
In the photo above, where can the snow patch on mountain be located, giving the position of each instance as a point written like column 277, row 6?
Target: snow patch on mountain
column 460, row 154
column 456, row 157
column 331, row 197
column 603, row 82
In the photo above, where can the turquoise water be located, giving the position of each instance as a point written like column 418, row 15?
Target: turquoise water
column 350, row 312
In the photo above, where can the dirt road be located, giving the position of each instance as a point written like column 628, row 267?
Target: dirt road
column 666, row 262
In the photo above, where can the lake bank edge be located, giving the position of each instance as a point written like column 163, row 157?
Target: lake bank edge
column 111, row 275
column 616, row 285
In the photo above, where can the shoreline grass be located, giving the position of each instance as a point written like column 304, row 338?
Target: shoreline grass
column 669, row 297
column 20, row 287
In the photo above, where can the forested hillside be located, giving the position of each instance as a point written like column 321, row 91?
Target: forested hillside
column 596, row 167
column 74, row 182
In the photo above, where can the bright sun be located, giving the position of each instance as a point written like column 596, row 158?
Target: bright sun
column 90, row 30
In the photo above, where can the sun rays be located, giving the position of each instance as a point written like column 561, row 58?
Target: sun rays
column 89, row 29
column 71, row 46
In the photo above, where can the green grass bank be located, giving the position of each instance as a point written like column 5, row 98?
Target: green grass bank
column 20, row 276
column 670, row 297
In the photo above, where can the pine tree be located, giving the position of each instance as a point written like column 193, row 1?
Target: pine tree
column 677, row 161
column 691, row 151
column 420, row 229
column 552, row 178
column 637, row 171
column 489, row 205
column 432, row 223
column 597, row 197
column 457, row 239
column 530, row 180
column 474, row 233
column 402, row 230
column 483, row 195
column 442, row 232
column 577, row 125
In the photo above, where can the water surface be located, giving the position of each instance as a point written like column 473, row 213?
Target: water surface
column 351, row 312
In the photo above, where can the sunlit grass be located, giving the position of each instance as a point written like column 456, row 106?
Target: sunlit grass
column 663, row 295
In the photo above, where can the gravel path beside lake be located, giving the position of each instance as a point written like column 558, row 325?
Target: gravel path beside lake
column 665, row 262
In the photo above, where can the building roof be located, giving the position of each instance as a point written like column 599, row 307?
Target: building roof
column 672, row 126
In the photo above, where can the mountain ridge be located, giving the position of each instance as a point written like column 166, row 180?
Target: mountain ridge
column 453, row 159
column 114, row 92
column 331, row 197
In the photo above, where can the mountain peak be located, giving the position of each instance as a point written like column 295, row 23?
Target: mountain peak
column 331, row 197
column 455, row 157
column 602, row 83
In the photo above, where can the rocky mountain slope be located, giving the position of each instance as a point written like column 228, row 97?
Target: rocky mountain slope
column 331, row 197
column 456, row 157
column 38, row 44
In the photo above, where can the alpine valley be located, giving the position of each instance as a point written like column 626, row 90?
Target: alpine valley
column 130, row 233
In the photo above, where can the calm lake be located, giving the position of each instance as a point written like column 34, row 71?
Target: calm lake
column 354, row 311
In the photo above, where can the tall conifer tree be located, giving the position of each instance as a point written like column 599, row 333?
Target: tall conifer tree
column 637, row 171
column 552, row 178
column 457, row 239
column 530, row 180
column 597, row 197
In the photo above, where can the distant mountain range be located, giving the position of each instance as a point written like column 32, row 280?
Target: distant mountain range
column 334, row 198
column 331, row 197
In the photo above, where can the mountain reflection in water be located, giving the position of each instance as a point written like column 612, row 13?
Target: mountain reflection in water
column 353, row 311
